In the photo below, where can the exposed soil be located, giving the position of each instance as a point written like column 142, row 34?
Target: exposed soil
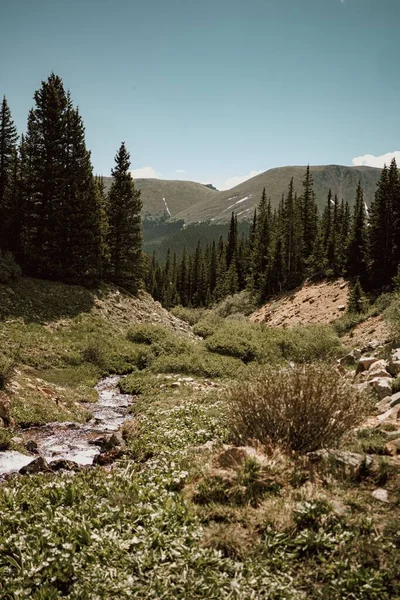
column 313, row 303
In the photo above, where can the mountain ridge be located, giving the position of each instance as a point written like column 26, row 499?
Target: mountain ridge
column 194, row 202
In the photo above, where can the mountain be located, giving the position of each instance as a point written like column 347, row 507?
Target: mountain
column 169, row 197
column 194, row 202
column 244, row 197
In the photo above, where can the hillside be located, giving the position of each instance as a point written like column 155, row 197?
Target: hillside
column 243, row 198
column 195, row 202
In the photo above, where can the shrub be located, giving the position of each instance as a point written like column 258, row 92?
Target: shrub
column 189, row 315
column 243, row 303
column 208, row 325
column 5, row 439
column 9, row 269
column 302, row 409
column 7, row 368
column 392, row 316
column 199, row 363
column 94, row 353
column 148, row 334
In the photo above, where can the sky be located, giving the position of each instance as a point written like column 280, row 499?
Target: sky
column 214, row 91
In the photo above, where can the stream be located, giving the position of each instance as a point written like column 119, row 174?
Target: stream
column 73, row 441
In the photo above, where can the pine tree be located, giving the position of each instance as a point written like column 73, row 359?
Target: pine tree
column 356, row 302
column 8, row 166
column 356, row 265
column 309, row 215
column 124, row 235
column 45, row 182
column 292, row 240
column 380, row 233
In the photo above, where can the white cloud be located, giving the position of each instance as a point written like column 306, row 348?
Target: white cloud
column 369, row 160
column 237, row 179
column 145, row 173
column 180, row 171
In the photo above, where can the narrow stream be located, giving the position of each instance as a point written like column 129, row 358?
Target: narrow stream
column 71, row 441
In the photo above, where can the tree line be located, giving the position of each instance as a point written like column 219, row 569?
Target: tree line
column 56, row 218
column 289, row 244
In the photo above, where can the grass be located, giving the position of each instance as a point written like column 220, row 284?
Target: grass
column 300, row 409
column 170, row 520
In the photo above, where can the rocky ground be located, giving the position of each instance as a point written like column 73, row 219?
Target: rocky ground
column 313, row 303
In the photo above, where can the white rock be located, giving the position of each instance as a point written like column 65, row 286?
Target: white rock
column 394, row 400
column 381, row 494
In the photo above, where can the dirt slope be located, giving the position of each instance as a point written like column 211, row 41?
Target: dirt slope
column 313, row 303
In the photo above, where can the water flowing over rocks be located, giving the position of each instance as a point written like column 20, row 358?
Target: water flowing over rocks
column 69, row 446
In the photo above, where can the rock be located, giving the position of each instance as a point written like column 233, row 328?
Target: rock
column 31, row 446
column 176, row 384
column 340, row 458
column 5, row 406
column 392, row 414
column 342, row 286
column 364, row 363
column 64, row 465
column 39, row 465
column 378, row 367
column 342, row 307
column 350, row 359
column 393, row 447
column 107, row 443
column 381, row 494
column 394, row 400
column 2, row 424
column 394, row 363
column 106, row 458
column 383, row 405
column 17, row 440
column 382, row 386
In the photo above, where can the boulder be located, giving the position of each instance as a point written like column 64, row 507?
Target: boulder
column 364, row 363
column 64, row 465
column 31, row 446
column 394, row 363
column 39, row 465
column 383, row 405
column 381, row 386
column 347, row 461
column 107, row 458
column 393, row 447
column 392, row 414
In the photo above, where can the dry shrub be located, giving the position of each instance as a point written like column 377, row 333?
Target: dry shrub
column 303, row 409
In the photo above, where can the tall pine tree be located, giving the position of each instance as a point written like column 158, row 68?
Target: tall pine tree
column 125, row 230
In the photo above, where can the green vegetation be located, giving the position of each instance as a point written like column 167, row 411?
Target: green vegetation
column 170, row 522
column 302, row 409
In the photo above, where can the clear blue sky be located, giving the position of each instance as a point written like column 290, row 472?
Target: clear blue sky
column 215, row 88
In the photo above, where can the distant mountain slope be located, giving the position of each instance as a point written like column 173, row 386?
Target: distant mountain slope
column 161, row 196
column 194, row 202
column 243, row 198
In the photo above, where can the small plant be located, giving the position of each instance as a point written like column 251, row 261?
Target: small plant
column 7, row 369
column 5, row 439
column 304, row 408
column 395, row 385
column 357, row 300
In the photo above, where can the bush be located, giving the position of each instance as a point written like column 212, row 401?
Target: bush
column 263, row 344
column 304, row 408
column 199, row 363
column 243, row 303
column 208, row 325
column 9, row 269
column 189, row 315
column 7, row 368
column 5, row 440
column 148, row 334
column 392, row 316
